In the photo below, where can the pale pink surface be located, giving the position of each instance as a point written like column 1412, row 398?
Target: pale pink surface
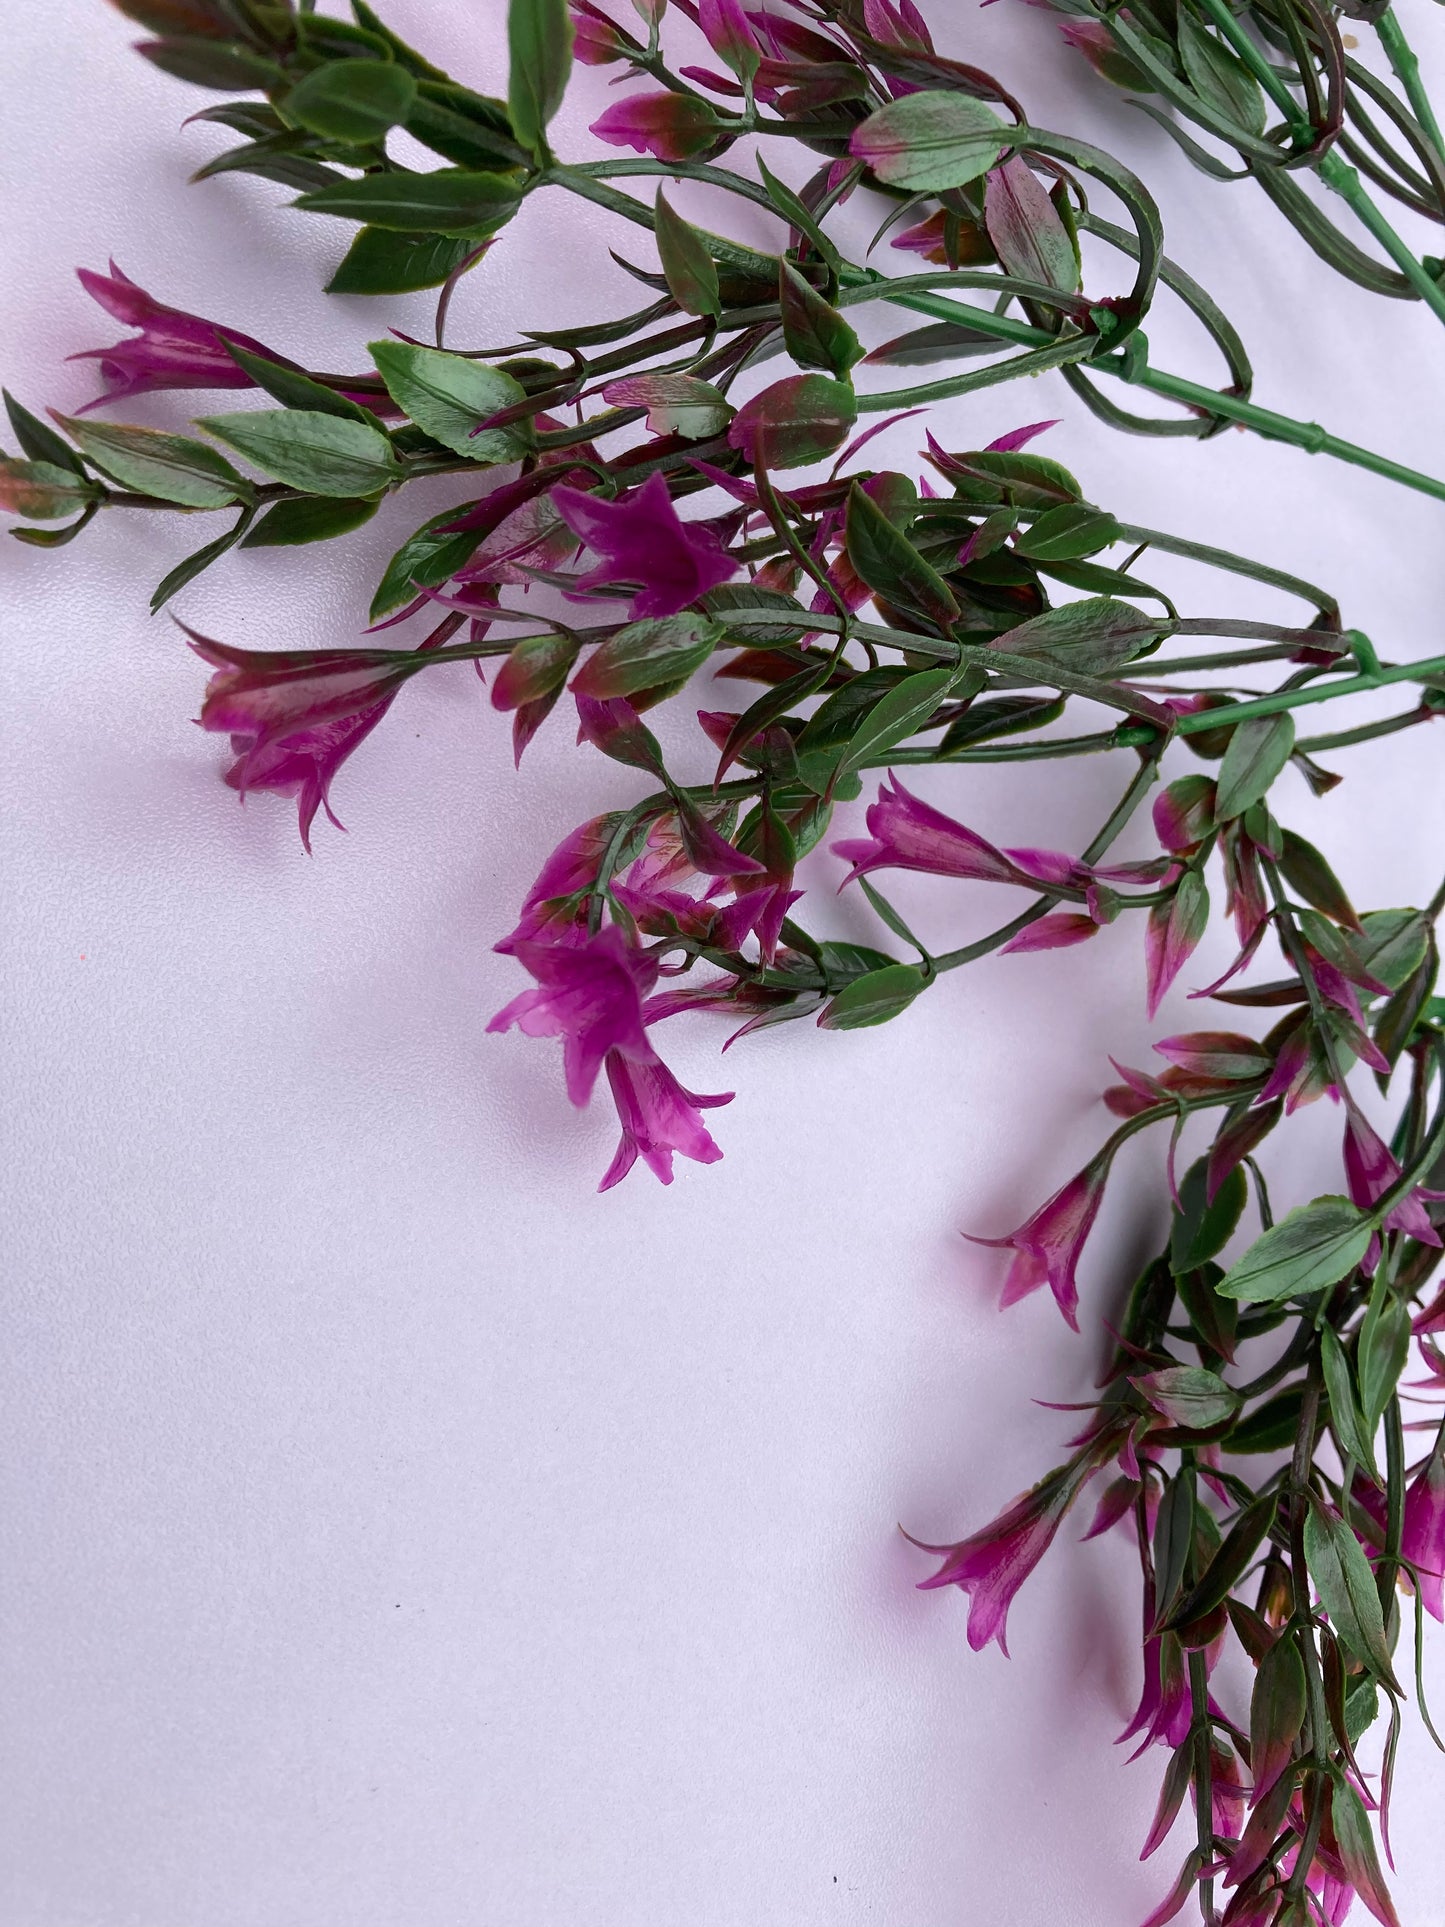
column 399, row 1535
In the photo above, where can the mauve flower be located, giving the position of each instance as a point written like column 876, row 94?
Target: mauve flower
column 1371, row 1169
column 1423, row 1539
column 670, row 127
column 295, row 715
column 590, row 995
column 596, row 38
column 1047, row 1247
column 173, row 350
column 905, row 833
column 642, row 539
column 729, row 34
column 550, row 909
column 177, row 350
column 993, row 1563
column 659, row 1118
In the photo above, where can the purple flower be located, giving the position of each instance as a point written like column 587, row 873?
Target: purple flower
column 993, row 1563
column 659, row 1118
column 670, row 127
column 1423, row 1540
column 1371, row 1169
column 596, row 38
column 641, row 539
column 295, row 715
column 173, row 350
column 729, row 34
column 1047, row 1247
column 905, row 833
column 552, row 909
column 590, row 995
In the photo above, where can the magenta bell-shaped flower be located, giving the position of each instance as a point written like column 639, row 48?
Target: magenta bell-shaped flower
column 643, row 543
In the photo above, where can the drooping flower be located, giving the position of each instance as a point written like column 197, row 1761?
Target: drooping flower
column 1048, row 1245
column 295, row 715
column 670, row 127
column 1423, row 1539
column 729, row 33
column 551, row 909
column 1371, row 1169
column 596, row 38
column 993, row 1563
column 905, row 833
column 659, row 1119
column 644, row 545
column 590, row 995
column 173, row 350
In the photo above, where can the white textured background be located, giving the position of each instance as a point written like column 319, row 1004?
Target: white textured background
column 396, row 1534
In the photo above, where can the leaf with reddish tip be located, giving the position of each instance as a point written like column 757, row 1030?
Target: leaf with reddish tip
column 1024, row 225
column 930, row 141
column 798, row 420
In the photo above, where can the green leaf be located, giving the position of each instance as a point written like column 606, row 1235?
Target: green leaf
column 1188, row 1395
column 1305, row 870
column 1012, row 477
column 1259, row 748
column 1230, row 1562
column 1064, row 533
column 1277, row 1710
column 293, row 389
column 873, row 998
column 227, row 66
column 1269, row 1427
column 1219, row 77
column 1394, row 945
column 449, row 201
column 648, row 653
column 1316, row 1245
column 1026, row 229
column 193, row 565
column 537, row 666
column 796, row 212
column 675, row 404
column 897, row 715
column 380, row 262
column 1404, row 1007
column 890, row 565
column 687, row 266
column 42, row 491
column 1384, row 1353
column 1355, row 1438
column 448, row 396
column 428, row 557
column 1346, row 1587
column 1095, row 636
column 352, row 100
column 172, row 467
column 1201, row 1230
column 796, row 421
column 814, row 333
column 39, row 442
column 1173, row 1540
column 539, row 41
column 309, row 519
column 983, row 722
column 1356, row 1843
column 939, row 341
column 308, row 450
column 930, row 141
